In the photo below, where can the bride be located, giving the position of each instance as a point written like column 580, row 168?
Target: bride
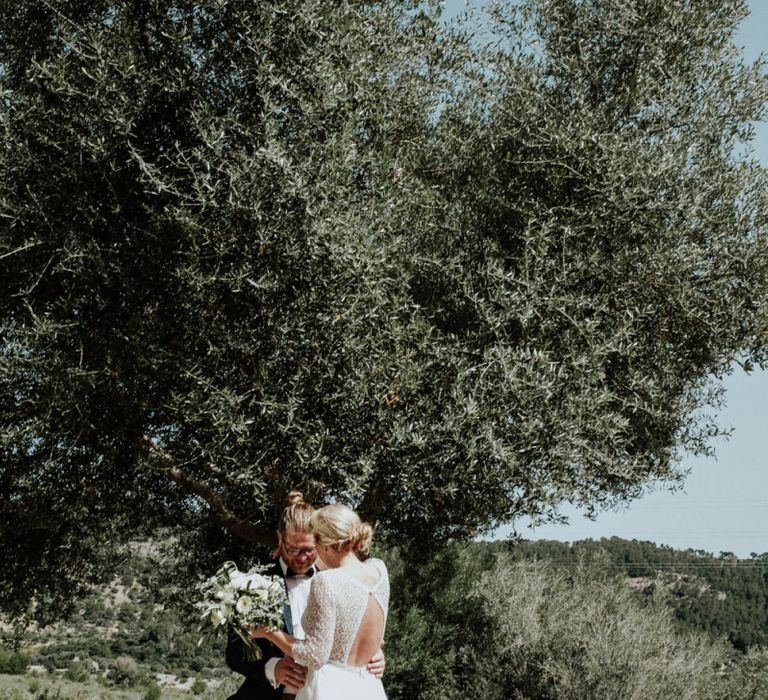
column 346, row 612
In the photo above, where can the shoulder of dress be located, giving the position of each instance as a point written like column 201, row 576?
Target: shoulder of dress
column 380, row 566
column 323, row 577
column 325, row 583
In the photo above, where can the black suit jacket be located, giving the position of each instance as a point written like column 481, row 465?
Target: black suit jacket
column 256, row 686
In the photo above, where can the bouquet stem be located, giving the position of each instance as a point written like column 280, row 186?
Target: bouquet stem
column 251, row 650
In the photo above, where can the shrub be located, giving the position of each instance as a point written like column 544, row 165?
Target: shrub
column 434, row 629
column 748, row 676
column 126, row 672
column 199, row 686
column 76, row 672
column 463, row 624
column 13, row 662
column 578, row 634
column 153, row 692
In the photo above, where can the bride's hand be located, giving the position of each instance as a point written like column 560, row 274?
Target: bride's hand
column 275, row 636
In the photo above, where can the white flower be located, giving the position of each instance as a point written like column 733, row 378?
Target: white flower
column 244, row 604
column 239, row 580
column 217, row 619
column 226, row 597
column 258, row 581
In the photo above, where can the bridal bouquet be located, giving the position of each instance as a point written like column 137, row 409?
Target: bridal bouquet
column 234, row 601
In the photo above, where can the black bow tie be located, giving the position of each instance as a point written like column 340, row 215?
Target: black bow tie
column 293, row 574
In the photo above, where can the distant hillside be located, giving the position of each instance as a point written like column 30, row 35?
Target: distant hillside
column 722, row 595
column 129, row 634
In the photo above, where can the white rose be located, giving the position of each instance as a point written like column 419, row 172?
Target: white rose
column 244, row 604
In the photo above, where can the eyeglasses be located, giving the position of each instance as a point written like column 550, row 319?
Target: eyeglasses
column 296, row 552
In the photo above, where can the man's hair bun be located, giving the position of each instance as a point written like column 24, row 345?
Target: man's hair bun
column 295, row 516
column 293, row 498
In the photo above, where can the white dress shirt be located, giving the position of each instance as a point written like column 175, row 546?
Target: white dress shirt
column 298, row 594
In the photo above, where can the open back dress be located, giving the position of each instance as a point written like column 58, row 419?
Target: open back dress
column 337, row 606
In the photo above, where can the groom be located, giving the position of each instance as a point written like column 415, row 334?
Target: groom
column 275, row 676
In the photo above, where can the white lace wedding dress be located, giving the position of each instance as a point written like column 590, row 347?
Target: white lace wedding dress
column 335, row 610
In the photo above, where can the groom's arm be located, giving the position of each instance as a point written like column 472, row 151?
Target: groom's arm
column 253, row 670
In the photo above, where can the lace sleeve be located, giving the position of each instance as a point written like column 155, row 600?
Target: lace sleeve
column 319, row 623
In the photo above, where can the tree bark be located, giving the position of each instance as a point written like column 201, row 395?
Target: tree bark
column 236, row 525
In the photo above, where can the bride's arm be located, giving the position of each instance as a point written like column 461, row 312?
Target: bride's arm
column 315, row 649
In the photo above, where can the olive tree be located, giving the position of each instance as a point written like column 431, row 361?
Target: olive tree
column 450, row 273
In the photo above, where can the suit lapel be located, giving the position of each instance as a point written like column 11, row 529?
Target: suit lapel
column 277, row 570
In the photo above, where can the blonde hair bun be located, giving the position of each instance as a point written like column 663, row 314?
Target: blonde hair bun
column 360, row 541
column 341, row 528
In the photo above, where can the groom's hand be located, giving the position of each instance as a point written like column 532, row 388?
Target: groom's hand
column 376, row 664
column 288, row 672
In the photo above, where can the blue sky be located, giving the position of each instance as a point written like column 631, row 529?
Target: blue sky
column 723, row 505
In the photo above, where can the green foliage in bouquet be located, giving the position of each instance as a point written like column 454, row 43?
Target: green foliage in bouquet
column 449, row 273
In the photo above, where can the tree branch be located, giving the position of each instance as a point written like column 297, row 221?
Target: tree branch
column 236, row 525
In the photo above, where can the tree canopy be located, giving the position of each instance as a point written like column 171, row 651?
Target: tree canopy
column 452, row 273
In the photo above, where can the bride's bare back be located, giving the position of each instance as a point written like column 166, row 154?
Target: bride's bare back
column 345, row 617
column 370, row 633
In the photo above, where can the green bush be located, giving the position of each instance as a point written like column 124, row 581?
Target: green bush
column 434, row 629
column 13, row 662
column 153, row 692
column 468, row 624
column 748, row 676
column 76, row 672
column 573, row 632
column 124, row 671
column 199, row 686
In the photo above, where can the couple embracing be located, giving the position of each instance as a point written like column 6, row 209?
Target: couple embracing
column 335, row 618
